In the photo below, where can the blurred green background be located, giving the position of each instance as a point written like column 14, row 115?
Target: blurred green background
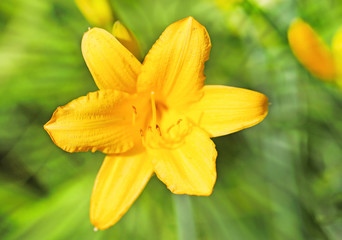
column 279, row 180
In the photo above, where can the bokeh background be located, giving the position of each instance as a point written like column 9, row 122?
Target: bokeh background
column 280, row 180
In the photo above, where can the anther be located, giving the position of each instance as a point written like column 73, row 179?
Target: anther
column 134, row 115
column 158, row 129
column 141, row 133
column 179, row 121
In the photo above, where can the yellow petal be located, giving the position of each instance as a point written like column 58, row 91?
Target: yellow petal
column 110, row 63
column 119, row 182
column 337, row 50
column 126, row 38
column 189, row 168
column 97, row 12
column 100, row 121
column 311, row 51
column 173, row 68
column 224, row 110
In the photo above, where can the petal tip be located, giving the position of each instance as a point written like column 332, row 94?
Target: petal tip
column 93, row 33
column 90, row 31
column 264, row 103
column 46, row 126
column 190, row 19
column 98, row 225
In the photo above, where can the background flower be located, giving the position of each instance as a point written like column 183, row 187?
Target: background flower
column 320, row 60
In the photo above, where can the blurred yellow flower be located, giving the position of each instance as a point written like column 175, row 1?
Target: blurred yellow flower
column 126, row 38
column 155, row 117
column 312, row 51
column 97, row 12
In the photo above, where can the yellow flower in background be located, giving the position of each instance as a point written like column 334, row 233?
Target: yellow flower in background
column 313, row 52
column 126, row 38
column 155, row 117
column 97, row 12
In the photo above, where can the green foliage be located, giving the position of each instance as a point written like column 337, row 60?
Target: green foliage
column 279, row 180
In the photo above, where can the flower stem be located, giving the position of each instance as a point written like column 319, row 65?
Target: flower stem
column 184, row 217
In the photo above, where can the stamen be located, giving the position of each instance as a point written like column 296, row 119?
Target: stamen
column 154, row 110
column 179, row 121
column 158, row 129
column 134, row 115
column 141, row 133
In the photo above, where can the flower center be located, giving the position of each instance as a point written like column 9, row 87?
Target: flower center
column 167, row 129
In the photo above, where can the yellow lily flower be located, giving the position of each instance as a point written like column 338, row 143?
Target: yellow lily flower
column 311, row 51
column 126, row 38
column 155, row 117
column 97, row 12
